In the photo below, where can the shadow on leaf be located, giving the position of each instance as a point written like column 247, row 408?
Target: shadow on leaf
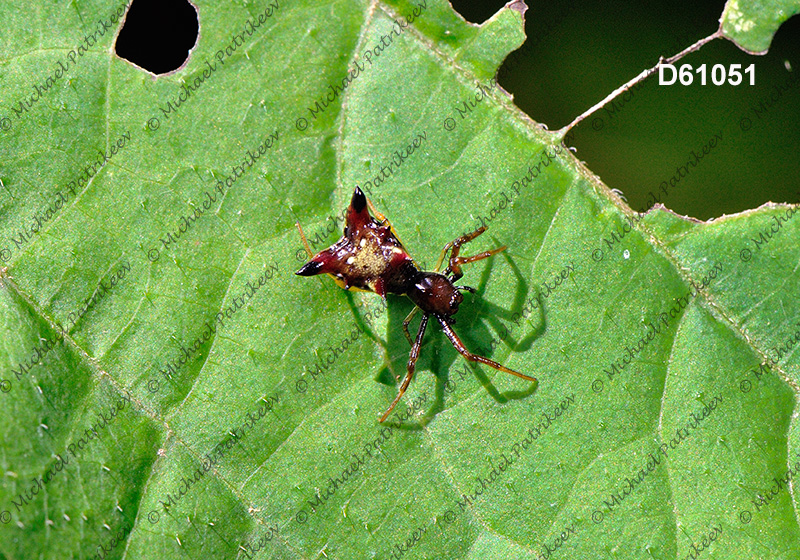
column 481, row 337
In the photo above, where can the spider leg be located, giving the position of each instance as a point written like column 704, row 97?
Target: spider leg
column 412, row 364
column 406, row 322
column 383, row 220
column 448, row 330
column 305, row 241
column 439, row 262
column 455, row 262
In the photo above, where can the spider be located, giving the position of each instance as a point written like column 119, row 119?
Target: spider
column 370, row 257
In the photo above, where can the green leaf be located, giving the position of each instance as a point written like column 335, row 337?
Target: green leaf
column 751, row 24
column 263, row 435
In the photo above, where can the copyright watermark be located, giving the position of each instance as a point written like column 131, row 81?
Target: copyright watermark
column 745, row 124
column 745, row 254
column 745, row 386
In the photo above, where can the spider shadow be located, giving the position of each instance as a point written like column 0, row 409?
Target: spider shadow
column 480, row 325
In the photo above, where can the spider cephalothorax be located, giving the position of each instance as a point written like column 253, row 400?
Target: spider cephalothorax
column 370, row 257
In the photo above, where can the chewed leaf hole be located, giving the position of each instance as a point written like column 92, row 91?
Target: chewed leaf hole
column 477, row 12
column 158, row 35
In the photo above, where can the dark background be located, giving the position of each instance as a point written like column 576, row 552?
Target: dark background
column 579, row 52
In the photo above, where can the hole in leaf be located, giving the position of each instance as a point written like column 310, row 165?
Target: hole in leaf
column 578, row 52
column 477, row 11
column 158, row 34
